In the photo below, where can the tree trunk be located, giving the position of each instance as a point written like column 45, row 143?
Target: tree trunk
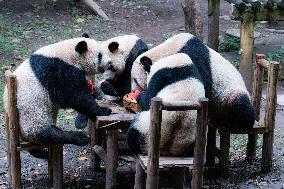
column 193, row 17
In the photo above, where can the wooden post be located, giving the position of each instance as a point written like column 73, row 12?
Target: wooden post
column 225, row 153
column 154, row 144
column 96, row 137
column 8, row 147
column 211, row 145
column 57, row 155
column 14, row 132
column 193, row 17
column 200, row 144
column 112, row 159
column 247, row 41
column 269, row 119
column 213, row 23
column 256, row 100
column 140, row 176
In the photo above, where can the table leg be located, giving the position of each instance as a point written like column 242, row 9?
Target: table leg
column 112, row 159
column 96, row 139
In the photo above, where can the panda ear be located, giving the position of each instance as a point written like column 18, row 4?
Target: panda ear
column 113, row 46
column 81, row 47
column 85, row 35
column 146, row 62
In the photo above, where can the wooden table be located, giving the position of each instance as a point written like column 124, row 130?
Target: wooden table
column 106, row 129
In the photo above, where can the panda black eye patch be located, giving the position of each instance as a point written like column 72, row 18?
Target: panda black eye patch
column 100, row 56
column 111, row 68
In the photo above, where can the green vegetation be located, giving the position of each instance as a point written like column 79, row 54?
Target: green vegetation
column 236, row 63
column 229, row 44
column 167, row 36
column 277, row 56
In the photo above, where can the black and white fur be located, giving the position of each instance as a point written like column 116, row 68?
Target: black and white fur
column 229, row 100
column 122, row 50
column 173, row 78
column 54, row 77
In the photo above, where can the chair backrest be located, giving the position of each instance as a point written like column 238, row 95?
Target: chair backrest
column 12, row 116
column 271, row 97
column 157, row 105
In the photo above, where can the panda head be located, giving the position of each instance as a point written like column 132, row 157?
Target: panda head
column 118, row 60
column 122, row 50
column 140, row 70
column 83, row 53
column 91, row 57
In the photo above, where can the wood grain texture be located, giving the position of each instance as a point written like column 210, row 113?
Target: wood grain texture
column 200, row 144
column 246, row 43
column 14, row 131
column 154, row 144
column 269, row 119
column 213, row 23
column 140, row 176
column 112, row 159
column 57, row 163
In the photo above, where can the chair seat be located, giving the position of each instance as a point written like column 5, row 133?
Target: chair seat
column 30, row 145
column 258, row 128
column 167, row 162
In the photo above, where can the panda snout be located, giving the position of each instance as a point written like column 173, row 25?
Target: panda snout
column 101, row 69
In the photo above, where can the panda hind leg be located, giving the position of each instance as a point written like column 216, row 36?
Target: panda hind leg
column 54, row 135
column 41, row 153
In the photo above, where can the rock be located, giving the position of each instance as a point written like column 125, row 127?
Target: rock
column 274, row 30
column 225, row 17
column 236, row 33
column 280, row 99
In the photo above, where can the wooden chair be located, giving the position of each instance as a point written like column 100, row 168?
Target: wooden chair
column 266, row 129
column 153, row 162
column 15, row 146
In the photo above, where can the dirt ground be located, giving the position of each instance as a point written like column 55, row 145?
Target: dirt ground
column 27, row 25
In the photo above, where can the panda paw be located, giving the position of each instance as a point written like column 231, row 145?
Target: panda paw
column 108, row 88
column 81, row 139
column 104, row 111
column 81, row 121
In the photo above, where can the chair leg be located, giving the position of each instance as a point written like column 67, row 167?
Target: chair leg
column 57, row 154
column 15, row 160
column 96, row 139
column 179, row 177
column 112, row 159
column 211, row 146
column 225, row 154
column 50, row 165
column 251, row 147
column 8, row 148
column 267, row 151
column 140, row 177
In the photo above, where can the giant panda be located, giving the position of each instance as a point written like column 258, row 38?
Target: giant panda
column 229, row 99
column 173, row 78
column 54, row 77
column 122, row 50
